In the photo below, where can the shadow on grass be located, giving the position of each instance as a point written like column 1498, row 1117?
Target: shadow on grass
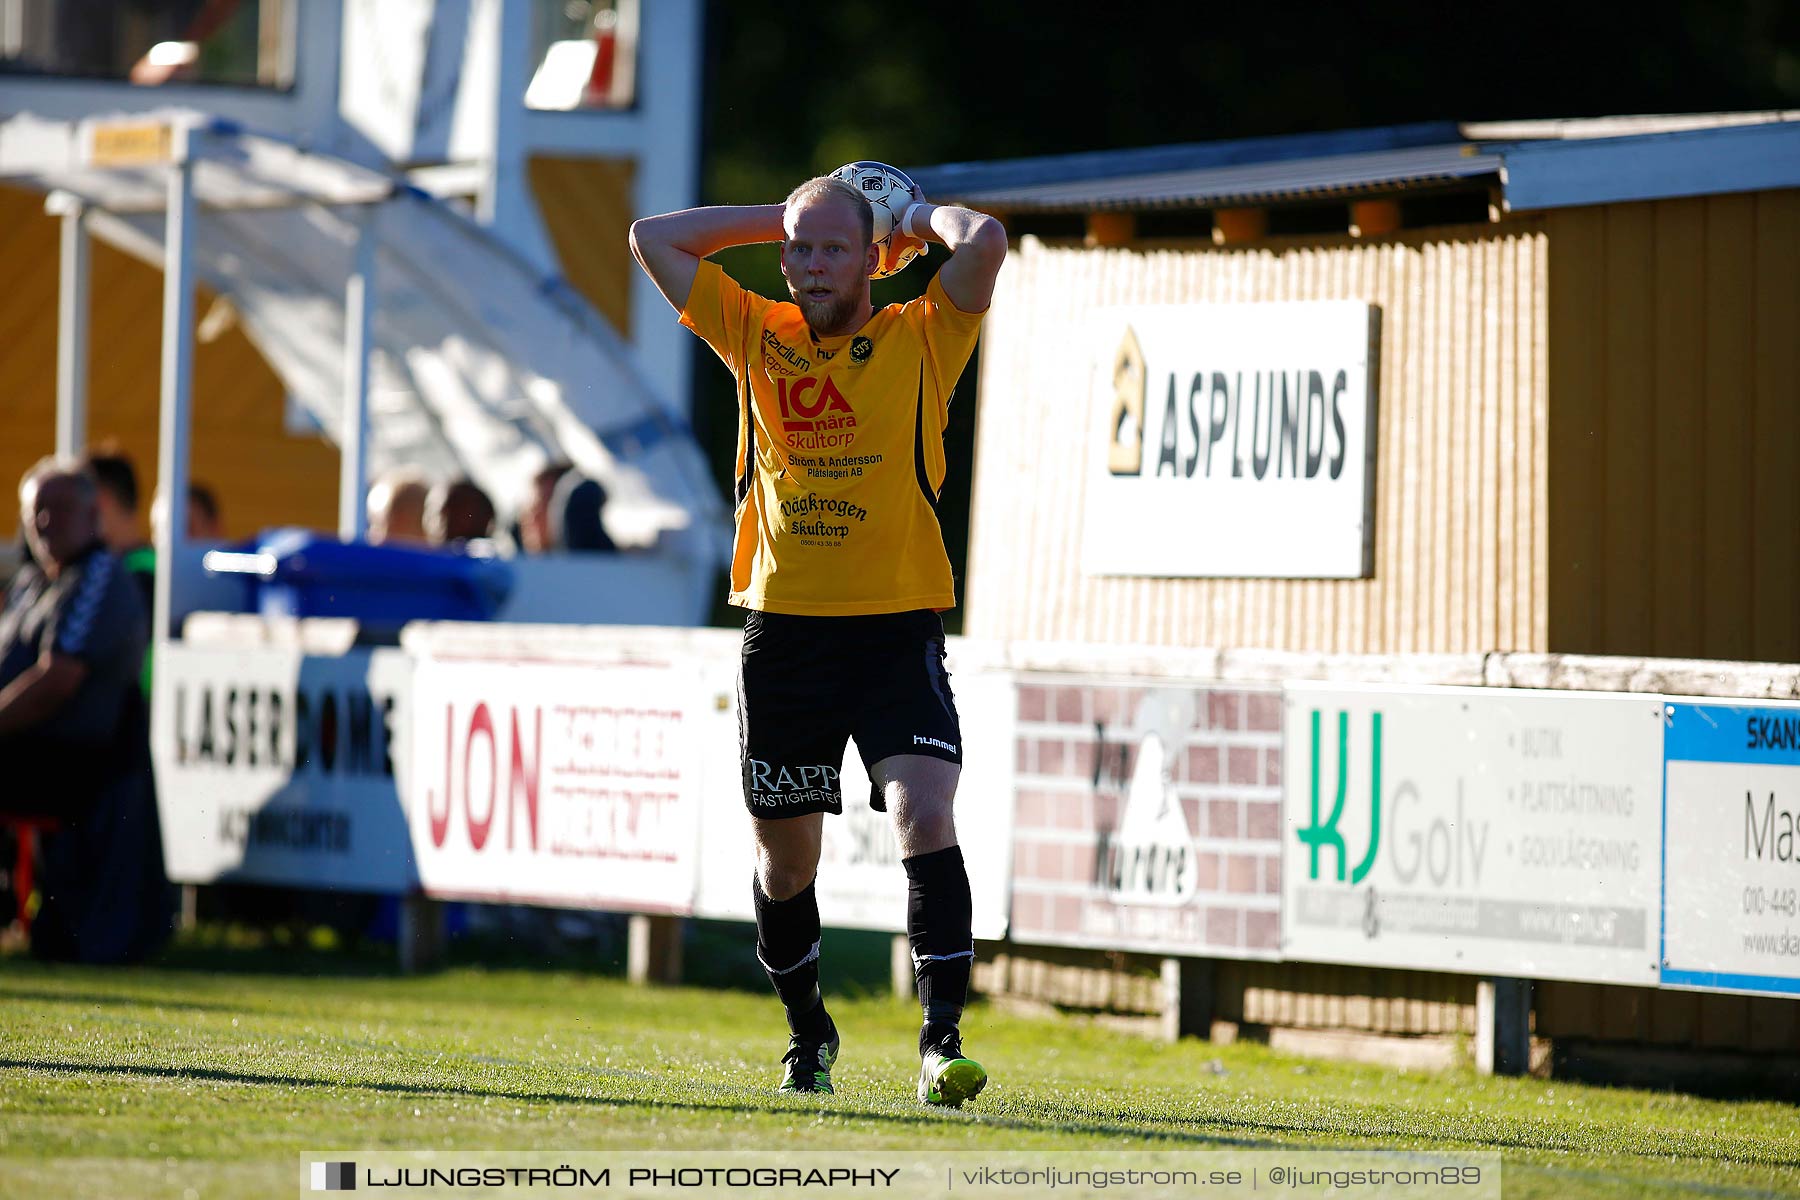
column 1198, row 1131
column 765, row 1103
column 10, row 990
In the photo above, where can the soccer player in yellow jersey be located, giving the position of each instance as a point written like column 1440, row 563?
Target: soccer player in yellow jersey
column 839, row 558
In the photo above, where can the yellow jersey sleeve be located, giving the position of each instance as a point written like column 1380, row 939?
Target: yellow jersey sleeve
column 949, row 334
column 724, row 314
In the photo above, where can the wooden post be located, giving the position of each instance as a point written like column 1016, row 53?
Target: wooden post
column 421, row 933
column 900, row 967
column 1234, row 225
column 1503, row 1026
column 1110, row 229
column 653, row 949
column 1187, row 998
column 1372, row 218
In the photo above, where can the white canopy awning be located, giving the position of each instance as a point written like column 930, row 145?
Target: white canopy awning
column 477, row 363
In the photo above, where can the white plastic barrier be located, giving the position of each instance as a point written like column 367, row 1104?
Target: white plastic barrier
column 279, row 766
column 1478, row 830
column 1731, row 888
column 1517, row 831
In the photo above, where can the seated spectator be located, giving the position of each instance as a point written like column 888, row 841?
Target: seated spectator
column 577, row 515
column 204, row 524
column 72, row 639
column 116, row 498
column 74, row 743
column 396, row 509
column 535, row 535
column 458, row 512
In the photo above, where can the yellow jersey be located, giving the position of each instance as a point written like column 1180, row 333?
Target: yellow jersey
column 840, row 453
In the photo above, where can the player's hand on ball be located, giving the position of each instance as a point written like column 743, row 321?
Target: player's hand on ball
column 889, row 193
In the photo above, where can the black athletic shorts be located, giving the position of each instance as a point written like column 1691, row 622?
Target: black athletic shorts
column 807, row 684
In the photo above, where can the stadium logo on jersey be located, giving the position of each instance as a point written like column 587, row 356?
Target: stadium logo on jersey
column 815, row 416
column 1150, row 858
column 1125, row 449
column 861, row 349
column 781, row 358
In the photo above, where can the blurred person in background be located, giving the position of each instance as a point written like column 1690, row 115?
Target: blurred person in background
column 204, row 524
column 72, row 638
column 578, row 511
column 536, row 534
column 116, row 497
column 396, row 508
column 75, row 730
column 458, row 512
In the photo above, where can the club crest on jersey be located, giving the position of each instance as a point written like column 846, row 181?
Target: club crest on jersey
column 861, row 349
column 815, row 416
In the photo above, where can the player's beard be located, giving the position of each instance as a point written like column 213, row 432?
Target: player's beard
column 826, row 317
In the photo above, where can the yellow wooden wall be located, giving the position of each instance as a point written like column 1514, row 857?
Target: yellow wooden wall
column 1460, row 475
column 1675, row 428
column 586, row 206
column 262, row 475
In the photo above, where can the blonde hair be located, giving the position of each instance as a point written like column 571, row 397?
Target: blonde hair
column 824, row 187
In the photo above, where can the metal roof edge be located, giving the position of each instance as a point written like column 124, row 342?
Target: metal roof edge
column 1567, row 174
column 964, row 178
column 1582, row 128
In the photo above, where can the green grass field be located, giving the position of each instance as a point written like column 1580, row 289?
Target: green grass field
column 208, row 1076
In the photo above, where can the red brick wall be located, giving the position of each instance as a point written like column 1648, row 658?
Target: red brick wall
column 1227, row 777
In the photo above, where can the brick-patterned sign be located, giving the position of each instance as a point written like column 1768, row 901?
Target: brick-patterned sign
column 1148, row 817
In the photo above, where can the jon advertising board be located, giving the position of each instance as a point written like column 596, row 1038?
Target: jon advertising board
column 573, row 785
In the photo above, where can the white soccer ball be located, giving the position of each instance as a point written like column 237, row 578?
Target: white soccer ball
column 888, row 192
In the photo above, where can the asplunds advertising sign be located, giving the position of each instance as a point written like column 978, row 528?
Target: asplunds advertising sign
column 1232, row 440
column 1732, row 886
column 1480, row 830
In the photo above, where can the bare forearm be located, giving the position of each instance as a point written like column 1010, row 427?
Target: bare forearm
column 34, row 697
column 704, row 231
column 956, row 227
column 977, row 245
column 670, row 247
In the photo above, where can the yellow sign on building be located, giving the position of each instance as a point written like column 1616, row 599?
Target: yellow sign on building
column 130, row 144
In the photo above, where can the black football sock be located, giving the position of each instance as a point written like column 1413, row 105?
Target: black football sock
column 939, row 925
column 787, row 943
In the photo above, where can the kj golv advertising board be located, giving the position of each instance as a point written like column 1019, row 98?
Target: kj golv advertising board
column 1478, row 830
column 1731, row 881
column 1231, row 440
